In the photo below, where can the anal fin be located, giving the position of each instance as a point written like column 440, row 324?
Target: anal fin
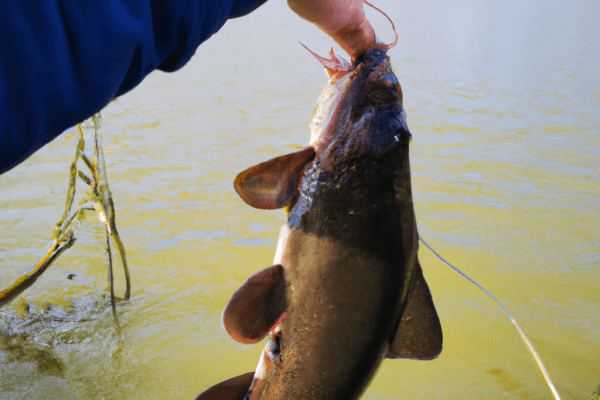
column 231, row 389
column 419, row 333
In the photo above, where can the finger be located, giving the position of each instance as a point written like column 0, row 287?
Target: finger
column 343, row 20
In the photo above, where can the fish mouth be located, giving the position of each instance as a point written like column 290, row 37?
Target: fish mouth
column 340, row 74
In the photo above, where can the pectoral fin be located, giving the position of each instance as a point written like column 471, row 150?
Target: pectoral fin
column 256, row 306
column 274, row 183
column 231, row 389
column 419, row 334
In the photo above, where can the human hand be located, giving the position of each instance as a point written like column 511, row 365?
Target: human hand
column 343, row 20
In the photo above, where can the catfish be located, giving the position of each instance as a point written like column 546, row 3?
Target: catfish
column 346, row 289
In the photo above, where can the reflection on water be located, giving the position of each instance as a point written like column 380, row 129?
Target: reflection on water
column 502, row 101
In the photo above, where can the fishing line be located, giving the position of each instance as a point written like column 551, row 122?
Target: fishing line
column 537, row 358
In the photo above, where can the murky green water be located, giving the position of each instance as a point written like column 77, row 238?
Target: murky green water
column 502, row 100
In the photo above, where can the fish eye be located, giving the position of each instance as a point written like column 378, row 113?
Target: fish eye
column 389, row 78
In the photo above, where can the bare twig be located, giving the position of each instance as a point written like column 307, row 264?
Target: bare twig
column 63, row 234
column 111, row 280
column 104, row 203
column 28, row 278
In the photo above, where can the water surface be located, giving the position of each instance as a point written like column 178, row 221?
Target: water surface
column 502, row 100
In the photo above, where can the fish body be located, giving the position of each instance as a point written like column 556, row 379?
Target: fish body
column 346, row 289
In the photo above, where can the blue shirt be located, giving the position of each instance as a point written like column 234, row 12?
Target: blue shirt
column 62, row 61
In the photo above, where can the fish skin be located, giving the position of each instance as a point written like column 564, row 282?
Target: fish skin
column 348, row 250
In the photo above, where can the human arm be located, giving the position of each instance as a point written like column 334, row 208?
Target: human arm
column 61, row 61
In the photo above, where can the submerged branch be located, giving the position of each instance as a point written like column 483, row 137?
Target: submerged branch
column 60, row 225
column 121, row 249
column 111, row 279
column 63, row 234
column 28, row 278
column 105, row 202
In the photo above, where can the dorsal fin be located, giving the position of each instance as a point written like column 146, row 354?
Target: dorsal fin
column 256, row 306
column 274, row 183
column 419, row 333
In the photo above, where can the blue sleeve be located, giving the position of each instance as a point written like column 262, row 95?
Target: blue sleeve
column 62, row 61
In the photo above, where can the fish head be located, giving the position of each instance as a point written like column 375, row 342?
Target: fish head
column 363, row 104
column 358, row 112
